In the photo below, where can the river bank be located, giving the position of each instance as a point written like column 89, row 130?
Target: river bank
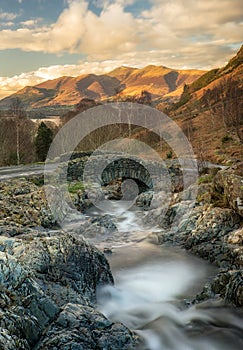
column 58, row 292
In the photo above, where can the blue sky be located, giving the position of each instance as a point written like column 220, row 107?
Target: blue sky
column 44, row 39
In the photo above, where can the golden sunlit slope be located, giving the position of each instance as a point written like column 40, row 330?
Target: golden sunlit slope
column 157, row 80
column 125, row 81
column 210, row 112
column 213, row 79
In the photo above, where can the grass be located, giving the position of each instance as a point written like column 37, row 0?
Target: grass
column 74, row 187
column 205, row 179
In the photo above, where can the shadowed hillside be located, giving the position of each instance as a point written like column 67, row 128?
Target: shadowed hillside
column 123, row 81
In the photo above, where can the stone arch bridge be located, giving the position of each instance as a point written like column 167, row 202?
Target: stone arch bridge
column 105, row 168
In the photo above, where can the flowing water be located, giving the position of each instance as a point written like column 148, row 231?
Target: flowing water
column 153, row 288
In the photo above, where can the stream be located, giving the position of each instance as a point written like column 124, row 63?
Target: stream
column 154, row 287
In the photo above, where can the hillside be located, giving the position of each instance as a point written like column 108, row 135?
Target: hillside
column 126, row 81
column 210, row 112
column 212, row 79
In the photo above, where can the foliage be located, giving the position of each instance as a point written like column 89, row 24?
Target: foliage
column 38, row 180
column 205, row 179
column 225, row 101
column 74, row 187
column 16, row 136
column 226, row 138
column 169, row 155
column 204, row 80
column 43, row 141
column 185, row 97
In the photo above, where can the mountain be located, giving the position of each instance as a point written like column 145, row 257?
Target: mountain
column 213, row 79
column 68, row 91
column 210, row 112
column 158, row 80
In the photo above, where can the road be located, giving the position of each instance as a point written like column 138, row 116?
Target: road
column 11, row 172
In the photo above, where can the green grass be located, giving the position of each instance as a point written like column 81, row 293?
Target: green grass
column 205, row 179
column 74, row 187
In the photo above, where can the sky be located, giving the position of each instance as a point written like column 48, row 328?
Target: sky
column 46, row 39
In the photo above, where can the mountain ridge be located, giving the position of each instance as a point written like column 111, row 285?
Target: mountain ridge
column 123, row 81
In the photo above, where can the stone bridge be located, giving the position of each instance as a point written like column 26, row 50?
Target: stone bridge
column 126, row 168
column 105, row 168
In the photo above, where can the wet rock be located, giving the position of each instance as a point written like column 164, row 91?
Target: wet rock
column 105, row 221
column 107, row 250
column 48, row 283
column 215, row 235
column 206, row 231
column 144, row 199
column 234, row 288
column 81, row 201
column 82, row 327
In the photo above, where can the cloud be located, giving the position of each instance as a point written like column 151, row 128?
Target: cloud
column 7, row 16
column 77, row 30
column 31, row 22
column 167, row 25
column 7, row 24
column 105, row 3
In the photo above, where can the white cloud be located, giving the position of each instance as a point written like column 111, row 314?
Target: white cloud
column 30, row 22
column 7, row 24
column 7, row 16
column 168, row 25
column 77, row 30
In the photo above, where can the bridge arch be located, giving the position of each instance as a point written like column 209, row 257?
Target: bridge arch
column 123, row 169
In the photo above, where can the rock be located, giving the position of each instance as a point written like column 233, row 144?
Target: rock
column 215, row 235
column 107, row 250
column 48, row 283
column 144, row 199
column 81, row 201
column 82, row 327
column 23, row 203
column 234, row 289
column 229, row 183
column 25, row 309
column 206, row 232
column 105, row 221
column 229, row 285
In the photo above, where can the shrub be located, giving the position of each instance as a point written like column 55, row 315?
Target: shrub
column 226, row 138
column 205, row 179
column 169, row 155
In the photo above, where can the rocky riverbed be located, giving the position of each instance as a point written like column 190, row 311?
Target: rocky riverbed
column 49, row 278
column 212, row 230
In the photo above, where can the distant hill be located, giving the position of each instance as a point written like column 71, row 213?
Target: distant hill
column 161, row 82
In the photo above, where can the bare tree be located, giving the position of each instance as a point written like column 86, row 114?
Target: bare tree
column 16, row 111
column 226, row 101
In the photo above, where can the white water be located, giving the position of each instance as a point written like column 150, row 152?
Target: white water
column 152, row 284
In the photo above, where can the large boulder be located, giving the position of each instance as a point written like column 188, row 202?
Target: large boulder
column 229, row 183
column 48, row 283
